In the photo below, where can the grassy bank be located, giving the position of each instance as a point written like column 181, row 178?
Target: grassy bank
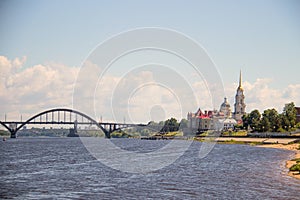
column 229, row 141
column 294, row 164
column 287, row 144
column 239, row 142
column 241, row 133
column 295, row 167
column 4, row 133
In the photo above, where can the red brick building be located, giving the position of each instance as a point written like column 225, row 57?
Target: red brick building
column 298, row 114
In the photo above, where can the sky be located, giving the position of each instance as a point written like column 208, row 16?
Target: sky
column 45, row 44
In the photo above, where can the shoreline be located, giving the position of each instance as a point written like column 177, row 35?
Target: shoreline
column 277, row 143
column 289, row 163
column 282, row 143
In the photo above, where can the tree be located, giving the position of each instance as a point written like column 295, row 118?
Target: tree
column 145, row 132
column 289, row 116
column 246, row 121
column 265, row 124
column 285, row 123
column 183, row 123
column 273, row 118
column 154, row 126
column 298, row 125
column 161, row 123
column 170, row 125
column 254, row 120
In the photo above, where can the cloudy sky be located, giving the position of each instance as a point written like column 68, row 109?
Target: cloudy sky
column 48, row 59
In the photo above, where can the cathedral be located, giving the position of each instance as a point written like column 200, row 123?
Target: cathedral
column 210, row 119
column 239, row 105
column 225, row 109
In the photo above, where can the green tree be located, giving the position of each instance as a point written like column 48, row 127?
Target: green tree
column 170, row 125
column 284, row 121
column 145, row 132
column 154, row 126
column 183, row 123
column 289, row 116
column 265, row 124
column 246, row 121
column 273, row 118
column 297, row 125
column 254, row 120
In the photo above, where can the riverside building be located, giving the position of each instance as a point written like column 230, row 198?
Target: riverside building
column 222, row 119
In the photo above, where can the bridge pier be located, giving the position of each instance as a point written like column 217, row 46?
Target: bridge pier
column 13, row 134
column 14, row 126
column 107, row 134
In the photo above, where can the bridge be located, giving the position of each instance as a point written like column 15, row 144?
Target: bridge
column 64, row 116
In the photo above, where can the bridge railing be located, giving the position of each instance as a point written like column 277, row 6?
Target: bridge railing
column 64, row 116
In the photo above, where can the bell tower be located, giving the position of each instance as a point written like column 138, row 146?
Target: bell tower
column 239, row 105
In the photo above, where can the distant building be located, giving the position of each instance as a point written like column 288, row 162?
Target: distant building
column 199, row 121
column 223, row 119
column 209, row 120
column 239, row 105
column 228, row 124
column 225, row 109
column 297, row 114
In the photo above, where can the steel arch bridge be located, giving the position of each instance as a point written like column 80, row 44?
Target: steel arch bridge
column 64, row 116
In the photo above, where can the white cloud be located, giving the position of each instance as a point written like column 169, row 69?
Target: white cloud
column 137, row 95
column 203, row 96
column 7, row 66
column 259, row 95
column 30, row 90
column 134, row 97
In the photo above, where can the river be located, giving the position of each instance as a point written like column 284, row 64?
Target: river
column 62, row 168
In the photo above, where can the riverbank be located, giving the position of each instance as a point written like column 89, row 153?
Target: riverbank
column 250, row 140
column 290, row 144
column 292, row 147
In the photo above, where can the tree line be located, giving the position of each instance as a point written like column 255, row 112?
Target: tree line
column 272, row 121
column 170, row 125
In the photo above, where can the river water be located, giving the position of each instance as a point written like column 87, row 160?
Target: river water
column 62, row 168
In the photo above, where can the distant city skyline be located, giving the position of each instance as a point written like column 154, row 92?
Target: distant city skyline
column 44, row 43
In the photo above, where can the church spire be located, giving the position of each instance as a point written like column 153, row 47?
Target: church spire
column 240, row 81
column 239, row 106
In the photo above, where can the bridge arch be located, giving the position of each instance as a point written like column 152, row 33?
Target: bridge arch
column 3, row 124
column 14, row 131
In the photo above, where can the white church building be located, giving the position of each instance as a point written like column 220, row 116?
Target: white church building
column 223, row 119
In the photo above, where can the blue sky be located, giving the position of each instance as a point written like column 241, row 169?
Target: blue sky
column 260, row 37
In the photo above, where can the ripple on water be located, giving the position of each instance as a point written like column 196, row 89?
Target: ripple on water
column 62, row 168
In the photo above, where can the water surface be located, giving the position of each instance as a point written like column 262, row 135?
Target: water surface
column 35, row 168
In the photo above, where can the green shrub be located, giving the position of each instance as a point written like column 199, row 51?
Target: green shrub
column 4, row 133
column 296, row 159
column 281, row 130
column 295, row 167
